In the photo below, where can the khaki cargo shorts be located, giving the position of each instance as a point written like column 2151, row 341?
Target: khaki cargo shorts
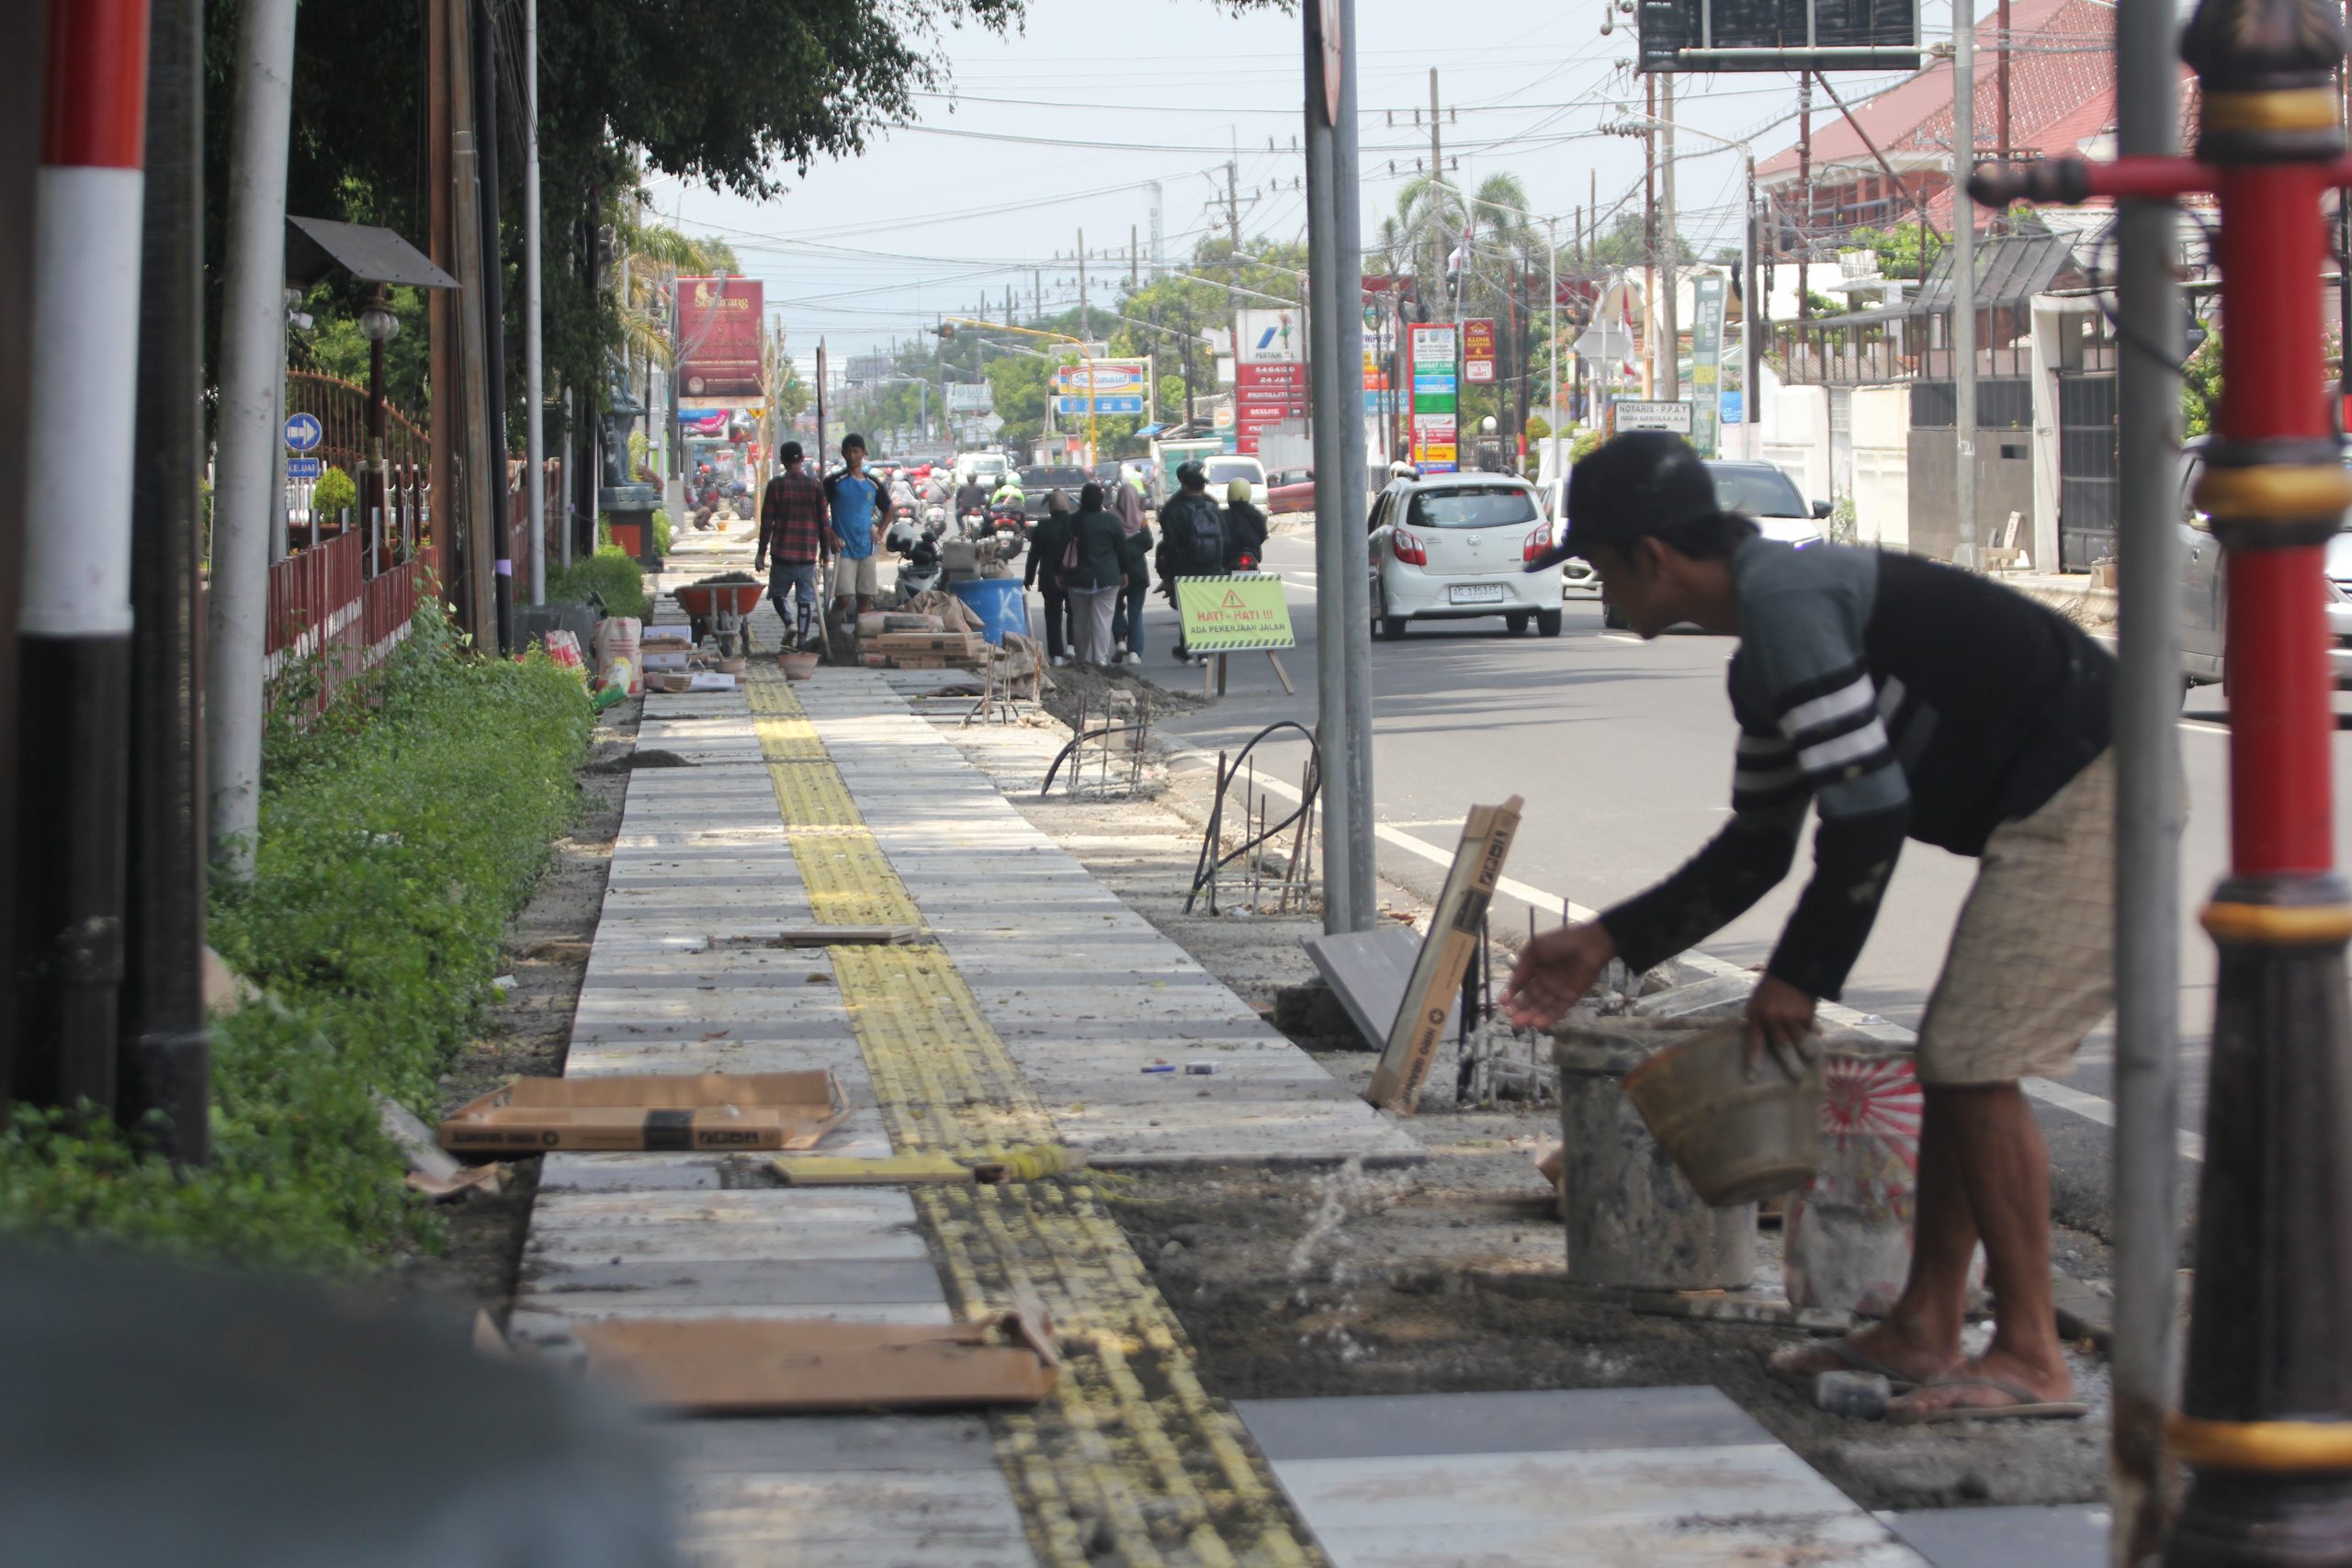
column 2031, row 967
column 862, row 574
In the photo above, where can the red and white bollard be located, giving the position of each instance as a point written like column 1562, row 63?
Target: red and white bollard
column 87, row 219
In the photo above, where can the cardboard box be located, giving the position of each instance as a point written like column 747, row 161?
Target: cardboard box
column 1444, row 958
column 658, row 661
column 710, row 680
column 683, row 631
column 807, row 1365
column 662, row 1111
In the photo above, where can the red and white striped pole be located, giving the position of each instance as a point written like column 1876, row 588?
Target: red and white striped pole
column 76, row 594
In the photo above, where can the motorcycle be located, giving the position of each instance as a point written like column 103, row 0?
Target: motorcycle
column 920, row 572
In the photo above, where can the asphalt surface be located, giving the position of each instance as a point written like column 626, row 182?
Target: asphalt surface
column 1623, row 753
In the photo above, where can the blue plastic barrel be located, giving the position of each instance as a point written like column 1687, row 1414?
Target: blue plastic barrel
column 1002, row 602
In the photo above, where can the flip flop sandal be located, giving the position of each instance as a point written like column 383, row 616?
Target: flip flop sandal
column 2024, row 1405
column 1855, row 1359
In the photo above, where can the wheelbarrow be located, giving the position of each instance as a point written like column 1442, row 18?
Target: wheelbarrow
column 718, row 609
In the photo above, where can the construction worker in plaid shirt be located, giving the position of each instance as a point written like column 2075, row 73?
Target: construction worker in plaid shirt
column 793, row 518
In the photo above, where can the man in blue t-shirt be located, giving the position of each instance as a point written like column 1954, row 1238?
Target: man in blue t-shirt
column 854, row 500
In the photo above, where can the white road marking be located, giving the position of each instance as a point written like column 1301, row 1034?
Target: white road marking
column 2090, row 1107
column 1620, row 636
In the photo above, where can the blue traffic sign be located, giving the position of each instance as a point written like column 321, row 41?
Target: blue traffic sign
column 303, row 432
column 302, row 468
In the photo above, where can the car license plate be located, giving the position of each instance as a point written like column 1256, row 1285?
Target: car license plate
column 1476, row 593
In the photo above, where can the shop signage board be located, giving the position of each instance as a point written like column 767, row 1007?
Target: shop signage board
column 1478, row 352
column 1706, row 361
column 1432, row 353
column 718, row 337
column 1266, row 394
column 1117, row 386
column 1626, row 414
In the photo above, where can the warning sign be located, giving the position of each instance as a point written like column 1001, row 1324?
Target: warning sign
column 1237, row 614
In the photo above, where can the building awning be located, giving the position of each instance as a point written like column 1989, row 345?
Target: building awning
column 1152, row 430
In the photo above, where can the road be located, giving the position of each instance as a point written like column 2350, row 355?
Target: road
column 1623, row 751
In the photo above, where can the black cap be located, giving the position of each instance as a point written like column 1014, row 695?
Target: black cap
column 789, row 452
column 1636, row 484
column 1191, row 474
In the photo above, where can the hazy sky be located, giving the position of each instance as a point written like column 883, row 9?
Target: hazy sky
column 1063, row 125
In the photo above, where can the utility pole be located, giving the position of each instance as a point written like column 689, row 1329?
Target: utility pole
column 1963, row 269
column 1437, row 204
column 1670, row 367
column 493, row 325
column 534, row 385
column 1037, row 287
column 479, row 602
column 76, row 584
column 22, row 71
column 2001, row 74
column 1804, row 193
column 1085, row 328
column 1649, row 234
column 1135, row 255
column 1232, row 211
column 1342, row 590
column 164, row 1055
column 253, row 351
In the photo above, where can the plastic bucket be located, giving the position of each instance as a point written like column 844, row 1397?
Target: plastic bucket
column 1632, row 1220
column 1001, row 604
column 1736, row 1138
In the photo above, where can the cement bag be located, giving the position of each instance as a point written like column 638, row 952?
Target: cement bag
column 1848, row 1237
column 618, row 663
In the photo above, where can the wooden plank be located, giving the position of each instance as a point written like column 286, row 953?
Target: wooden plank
column 1445, row 957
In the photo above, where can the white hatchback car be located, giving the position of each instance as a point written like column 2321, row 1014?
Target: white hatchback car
column 1454, row 546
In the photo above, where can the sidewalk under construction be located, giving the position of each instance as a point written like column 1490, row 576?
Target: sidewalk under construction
column 1024, row 1012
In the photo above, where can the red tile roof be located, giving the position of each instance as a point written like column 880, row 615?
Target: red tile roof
column 2061, row 93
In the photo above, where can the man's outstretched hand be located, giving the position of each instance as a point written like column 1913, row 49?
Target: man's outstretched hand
column 1554, row 970
column 1780, row 1019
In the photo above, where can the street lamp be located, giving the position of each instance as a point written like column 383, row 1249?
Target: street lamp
column 947, row 328
column 379, row 326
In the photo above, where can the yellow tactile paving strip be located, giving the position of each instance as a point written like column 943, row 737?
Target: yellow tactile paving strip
column 1131, row 1462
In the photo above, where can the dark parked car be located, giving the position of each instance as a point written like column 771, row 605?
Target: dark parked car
column 1041, row 480
column 1290, row 490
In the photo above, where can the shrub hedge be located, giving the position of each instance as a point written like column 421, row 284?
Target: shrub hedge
column 397, row 837
column 609, row 578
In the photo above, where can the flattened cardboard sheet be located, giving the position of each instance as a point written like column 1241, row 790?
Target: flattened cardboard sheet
column 657, row 1110
column 805, row 1365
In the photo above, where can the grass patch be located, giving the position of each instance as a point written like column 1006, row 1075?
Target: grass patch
column 398, row 834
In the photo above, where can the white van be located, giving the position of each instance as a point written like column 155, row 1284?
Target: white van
column 1223, row 470
column 989, row 468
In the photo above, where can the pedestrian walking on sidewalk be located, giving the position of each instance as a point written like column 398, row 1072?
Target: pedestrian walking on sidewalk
column 1126, row 621
column 1903, row 698
column 854, row 502
column 1192, row 537
column 793, row 519
column 1044, row 572
column 1096, row 569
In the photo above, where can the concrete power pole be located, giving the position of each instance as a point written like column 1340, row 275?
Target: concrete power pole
column 253, row 350
column 1669, row 330
column 1437, row 310
column 1343, row 609
column 1085, row 327
column 1963, row 271
column 534, row 385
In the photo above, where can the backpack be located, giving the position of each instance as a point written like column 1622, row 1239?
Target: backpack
column 1203, row 536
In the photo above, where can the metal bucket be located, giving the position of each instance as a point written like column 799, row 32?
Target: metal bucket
column 1632, row 1220
column 1736, row 1138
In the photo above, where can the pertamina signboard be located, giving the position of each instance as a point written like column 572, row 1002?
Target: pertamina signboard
column 1478, row 351
column 1239, row 612
column 718, row 337
column 1263, row 395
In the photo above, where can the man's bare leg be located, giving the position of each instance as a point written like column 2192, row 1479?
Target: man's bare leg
column 1921, row 1336
column 2005, row 1167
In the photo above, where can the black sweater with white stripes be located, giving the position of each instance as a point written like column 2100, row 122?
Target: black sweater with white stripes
column 1906, row 699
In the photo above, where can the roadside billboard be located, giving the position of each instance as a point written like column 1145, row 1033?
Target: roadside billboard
column 1266, row 395
column 718, row 336
column 1706, row 361
column 1432, row 357
column 1627, row 415
column 1478, row 351
column 970, row 397
column 1117, row 386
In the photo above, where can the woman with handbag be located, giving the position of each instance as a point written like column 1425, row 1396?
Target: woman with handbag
column 1047, row 548
column 1094, row 570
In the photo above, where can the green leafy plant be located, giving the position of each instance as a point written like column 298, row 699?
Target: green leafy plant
column 661, row 532
column 608, row 578
column 398, row 834
column 1587, row 439
column 2200, row 384
column 334, row 494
